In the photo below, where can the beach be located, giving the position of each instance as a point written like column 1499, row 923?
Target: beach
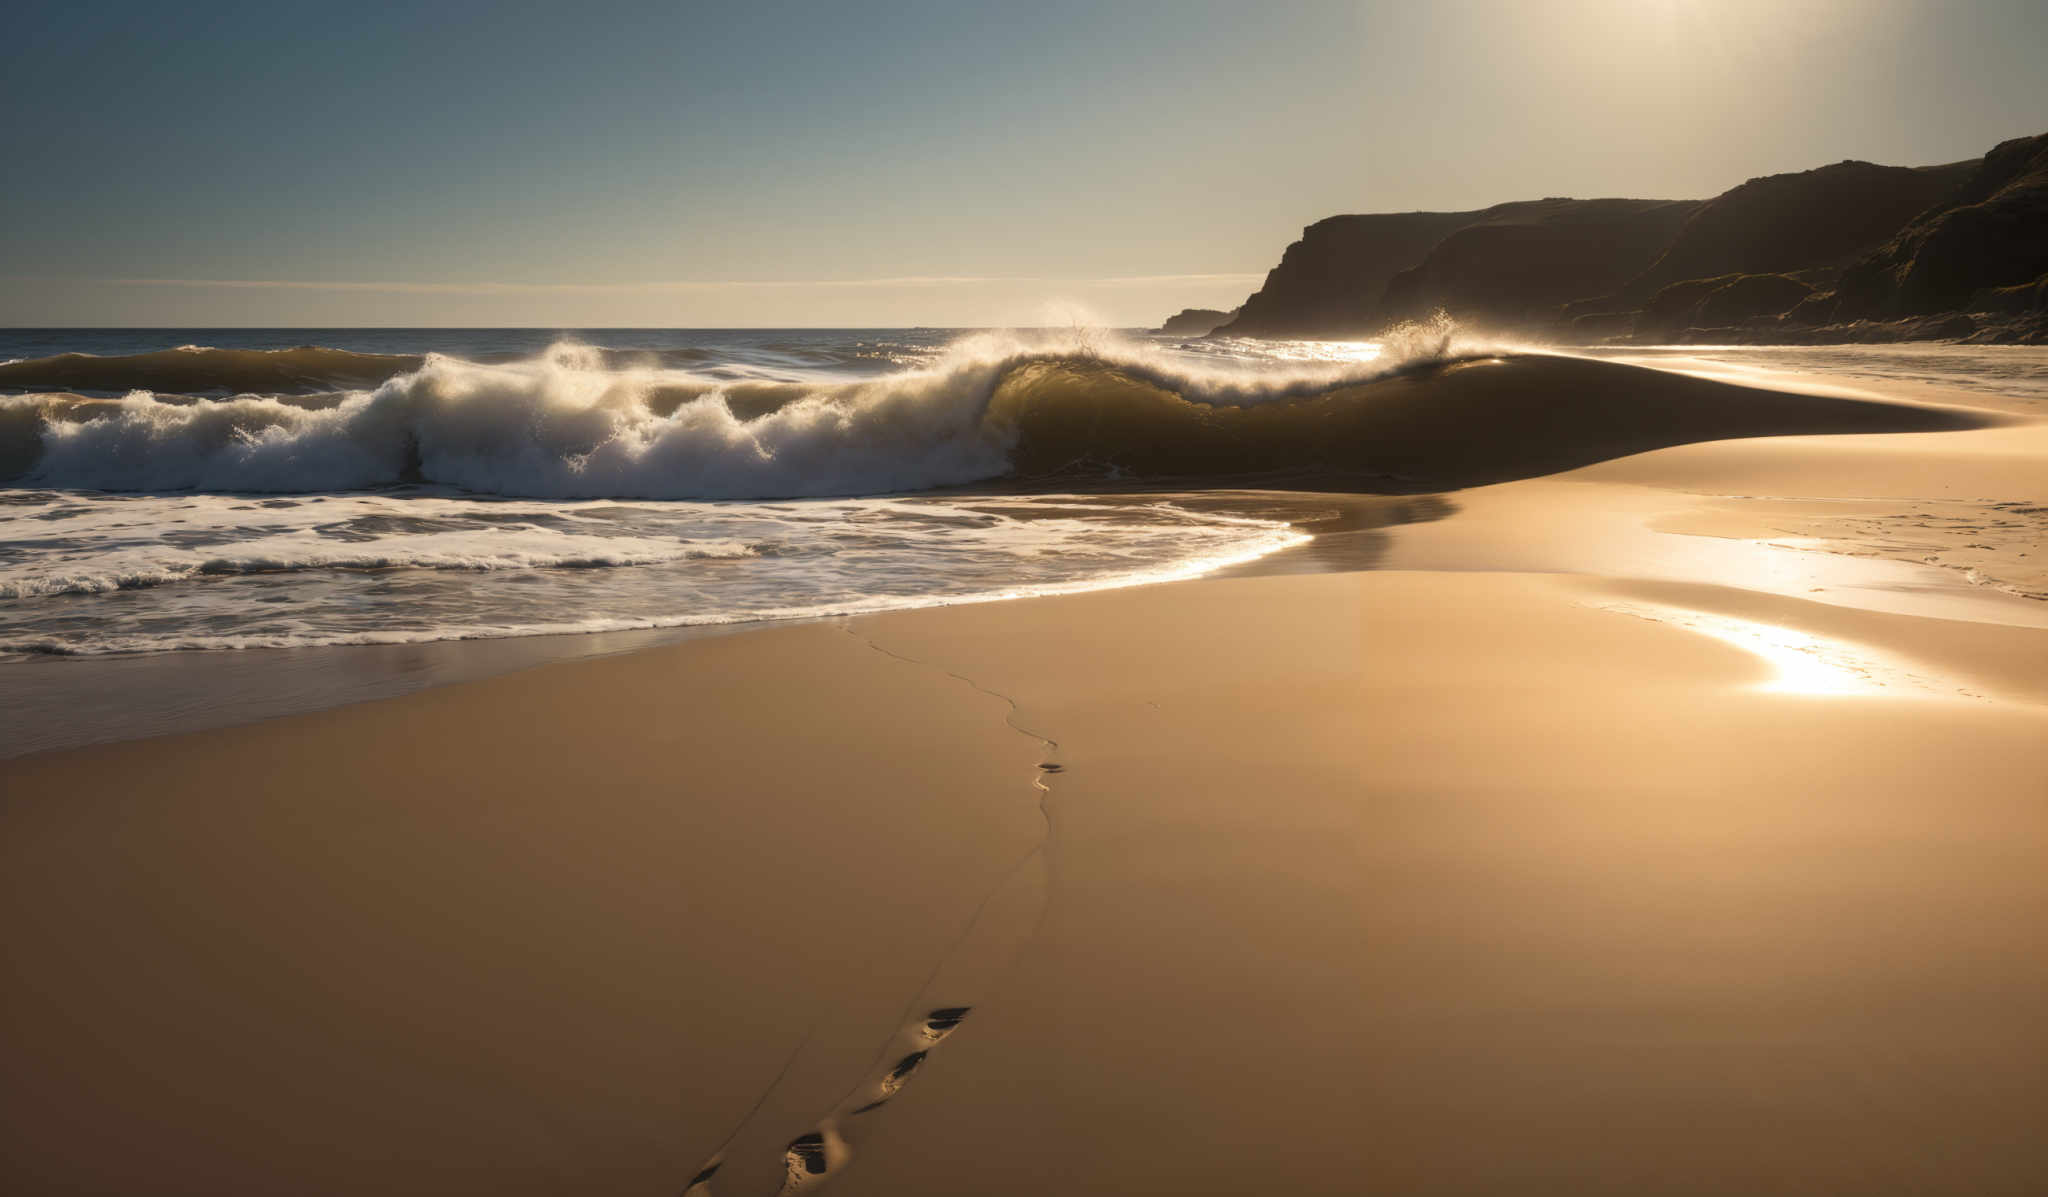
column 1087, row 600
column 1635, row 821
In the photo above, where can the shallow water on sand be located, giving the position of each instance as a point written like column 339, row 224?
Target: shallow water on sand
column 96, row 573
column 2017, row 374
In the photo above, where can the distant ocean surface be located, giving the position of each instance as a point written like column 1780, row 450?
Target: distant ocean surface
column 232, row 488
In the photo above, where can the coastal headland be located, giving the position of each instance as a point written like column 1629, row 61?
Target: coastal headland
column 1845, row 253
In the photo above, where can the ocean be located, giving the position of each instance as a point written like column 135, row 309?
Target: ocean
column 210, row 489
column 198, row 489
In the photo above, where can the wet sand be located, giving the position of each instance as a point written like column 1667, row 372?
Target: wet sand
column 1572, row 851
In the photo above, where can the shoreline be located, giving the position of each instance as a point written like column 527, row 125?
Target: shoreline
column 59, row 702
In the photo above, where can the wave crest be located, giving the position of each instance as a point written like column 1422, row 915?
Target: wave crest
column 571, row 423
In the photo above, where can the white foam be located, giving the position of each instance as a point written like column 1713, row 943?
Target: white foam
column 240, row 572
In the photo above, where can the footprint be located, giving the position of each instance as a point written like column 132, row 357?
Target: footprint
column 903, row 1069
column 807, row 1152
column 893, row 1083
column 807, row 1160
column 810, row 1158
column 941, row 1022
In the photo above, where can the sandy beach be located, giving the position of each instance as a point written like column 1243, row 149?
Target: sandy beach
column 1644, row 824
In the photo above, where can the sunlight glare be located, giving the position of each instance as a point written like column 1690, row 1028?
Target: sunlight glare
column 1801, row 662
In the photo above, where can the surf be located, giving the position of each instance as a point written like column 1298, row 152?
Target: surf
column 572, row 422
column 1429, row 410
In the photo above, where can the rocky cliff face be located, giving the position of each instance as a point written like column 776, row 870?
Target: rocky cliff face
column 1721, row 301
column 1782, row 224
column 1195, row 322
column 1991, row 235
column 1330, row 282
column 1518, row 264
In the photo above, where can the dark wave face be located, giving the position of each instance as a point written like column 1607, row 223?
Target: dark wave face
column 193, row 369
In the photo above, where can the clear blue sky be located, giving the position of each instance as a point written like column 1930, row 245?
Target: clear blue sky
column 913, row 163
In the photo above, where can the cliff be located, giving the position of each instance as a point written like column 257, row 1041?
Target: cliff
column 1991, row 235
column 1850, row 251
column 1195, row 322
column 1787, row 223
column 1331, row 281
column 1518, row 264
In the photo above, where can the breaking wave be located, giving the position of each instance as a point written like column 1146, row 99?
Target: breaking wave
column 575, row 422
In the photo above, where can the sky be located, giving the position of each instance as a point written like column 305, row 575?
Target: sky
column 891, row 164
